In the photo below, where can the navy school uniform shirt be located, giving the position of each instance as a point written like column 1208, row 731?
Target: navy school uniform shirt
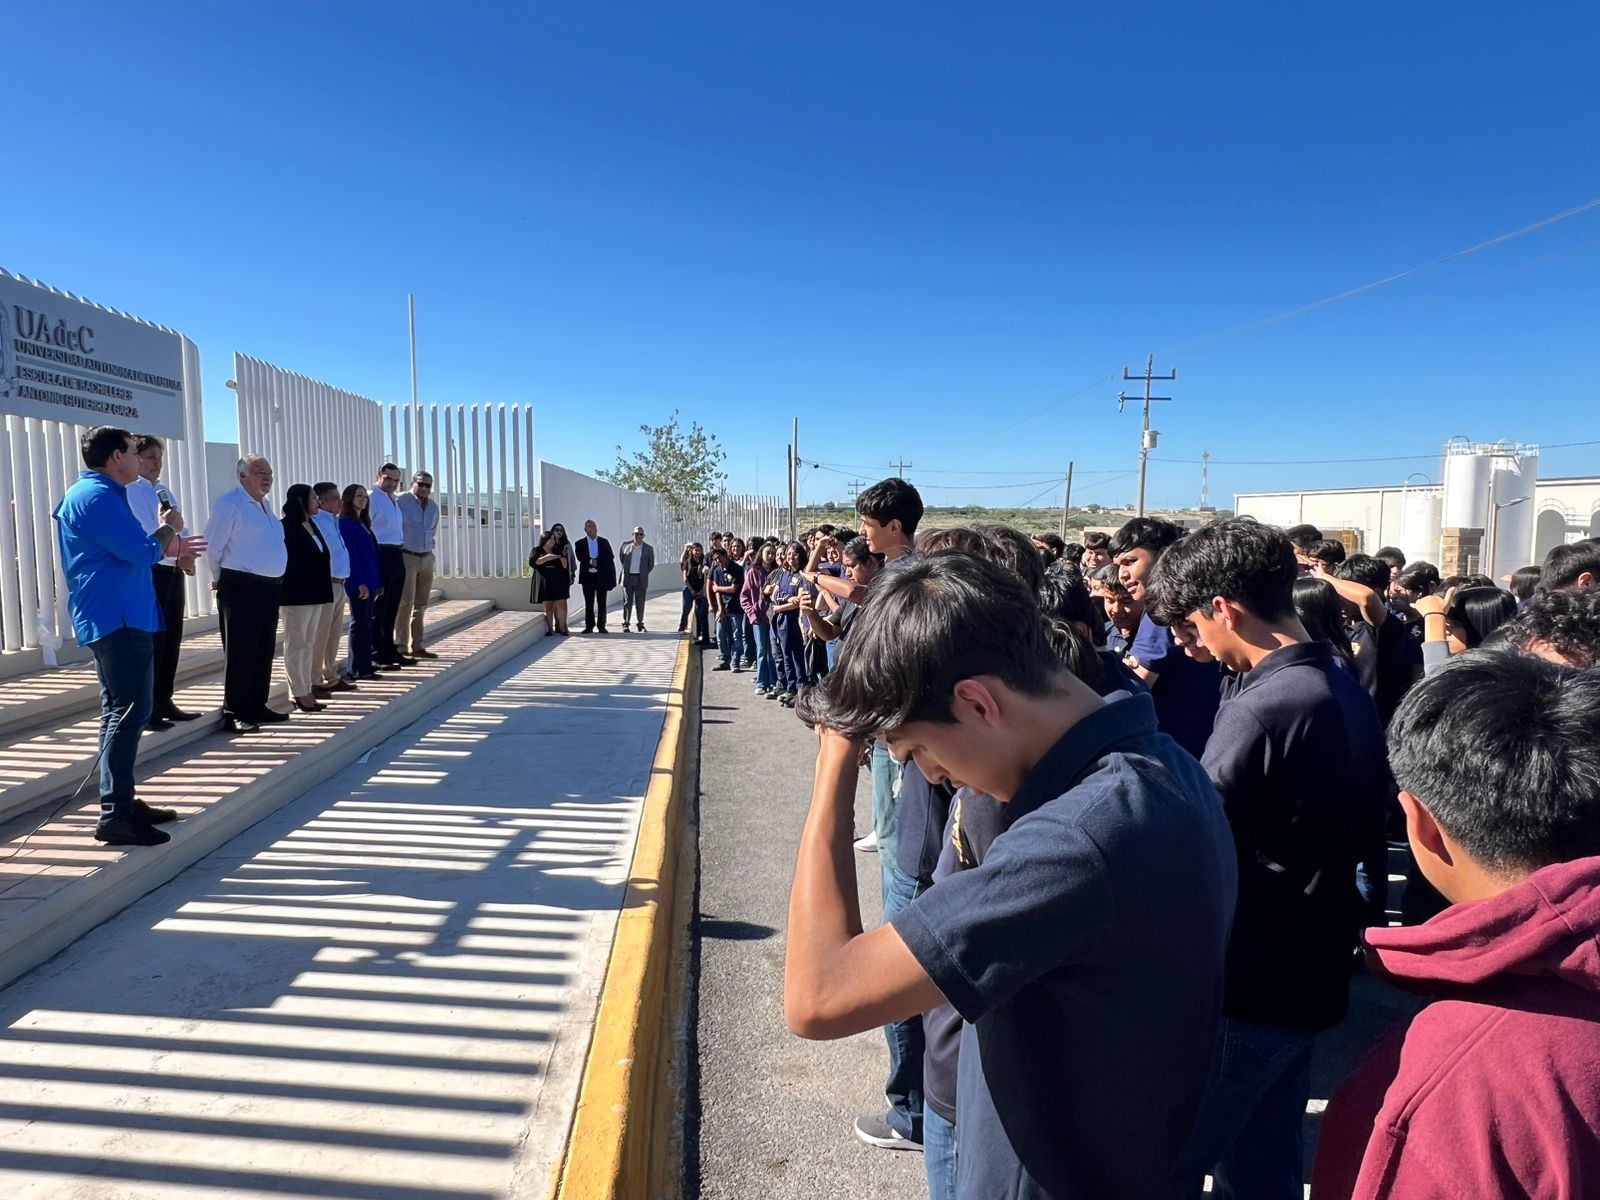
column 923, row 809
column 1364, row 642
column 1298, row 757
column 1085, row 954
column 1186, row 692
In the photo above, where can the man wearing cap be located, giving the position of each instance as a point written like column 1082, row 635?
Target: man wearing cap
column 638, row 560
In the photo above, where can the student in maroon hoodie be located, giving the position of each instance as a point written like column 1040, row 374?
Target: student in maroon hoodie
column 1494, row 1089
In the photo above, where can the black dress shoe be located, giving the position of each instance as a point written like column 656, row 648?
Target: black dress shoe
column 370, row 675
column 234, row 724
column 157, row 724
column 151, row 815
column 129, row 831
column 178, row 714
column 405, row 662
column 424, row 654
column 269, row 716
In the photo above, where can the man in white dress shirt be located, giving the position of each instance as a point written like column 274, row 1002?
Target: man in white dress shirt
column 419, row 518
column 327, row 672
column 247, row 547
column 388, row 529
column 149, row 497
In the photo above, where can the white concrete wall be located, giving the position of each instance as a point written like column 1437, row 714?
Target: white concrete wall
column 1565, row 510
column 1381, row 516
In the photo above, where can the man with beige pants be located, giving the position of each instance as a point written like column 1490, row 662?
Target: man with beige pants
column 419, row 518
column 327, row 671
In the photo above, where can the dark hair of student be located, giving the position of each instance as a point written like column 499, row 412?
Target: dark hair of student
column 1327, row 551
column 1096, row 539
column 1067, row 609
column 826, row 528
column 1479, row 611
column 1504, row 751
column 956, row 537
column 1014, row 549
column 1421, row 577
column 1057, row 544
column 892, row 499
column 1144, row 533
column 800, row 551
column 1236, row 558
column 388, row 466
column 1303, row 536
column 937, row 620
column 97, row 445
column 1392, row 555
column 1566, row 624
column 857, row 550
column 1565, row 563
column 1524, row 582
column 1072, row 552
column 297, row 502
column 147, row 441
column 324, row 489
column 347, row 500
column 1366, row 570
column 1322, row 613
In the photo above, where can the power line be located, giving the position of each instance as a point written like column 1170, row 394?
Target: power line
column 1301, row 310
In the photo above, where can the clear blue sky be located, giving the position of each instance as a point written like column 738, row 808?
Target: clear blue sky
column 912, row 225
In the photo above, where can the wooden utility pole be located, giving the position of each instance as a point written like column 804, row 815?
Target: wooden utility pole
column 1066, row 503
column 1148, row 436
column 901, row 467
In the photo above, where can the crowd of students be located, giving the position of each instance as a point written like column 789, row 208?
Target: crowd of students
column 1134, row 801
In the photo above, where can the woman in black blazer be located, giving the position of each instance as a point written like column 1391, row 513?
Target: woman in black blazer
column 307, row 586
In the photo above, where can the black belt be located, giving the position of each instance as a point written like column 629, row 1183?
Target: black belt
column 417, row 553
column 166, row 566
column 251, row 577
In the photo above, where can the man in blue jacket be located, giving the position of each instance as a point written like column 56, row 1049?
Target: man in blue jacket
column 107, row 556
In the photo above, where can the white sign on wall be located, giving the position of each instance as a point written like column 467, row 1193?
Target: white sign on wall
column 66, row 360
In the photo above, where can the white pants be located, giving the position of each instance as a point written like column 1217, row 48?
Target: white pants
column 325, row 661
column 299, row 632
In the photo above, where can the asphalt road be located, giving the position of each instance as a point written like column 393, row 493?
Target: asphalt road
column 774, row 1112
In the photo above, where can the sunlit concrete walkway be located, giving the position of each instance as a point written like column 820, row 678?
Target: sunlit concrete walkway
column 384, row 990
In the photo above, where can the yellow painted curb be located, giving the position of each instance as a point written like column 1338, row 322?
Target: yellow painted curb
column 623, row 1142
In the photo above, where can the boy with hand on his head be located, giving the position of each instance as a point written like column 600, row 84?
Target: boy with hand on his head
column 1090, row 993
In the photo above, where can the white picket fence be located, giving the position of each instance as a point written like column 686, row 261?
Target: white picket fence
column 310, row 431
column 482, row 461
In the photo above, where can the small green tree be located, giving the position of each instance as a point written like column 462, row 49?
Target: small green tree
column 679, row 467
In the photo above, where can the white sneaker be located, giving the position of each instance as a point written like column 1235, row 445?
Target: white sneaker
column 868, row 844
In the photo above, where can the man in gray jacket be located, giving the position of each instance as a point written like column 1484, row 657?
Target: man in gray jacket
column 638, row 560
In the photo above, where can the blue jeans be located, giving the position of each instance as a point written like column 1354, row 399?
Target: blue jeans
column 789, row 650
column 938, row 1155
column 833, row 653
column 358, row 633
column 727, row 639
column 906, row 1043
column 744, row 642
column 1248, row 1132
column 766, row 670
column 885, row 813
column 125, row 661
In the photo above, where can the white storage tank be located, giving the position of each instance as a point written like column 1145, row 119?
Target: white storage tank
column 1516, row 476
column 1468, row 474
column 1420, row 523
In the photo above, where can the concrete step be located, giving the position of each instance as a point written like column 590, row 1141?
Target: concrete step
column 43, row 763
column 56, row 882
column 44, row 696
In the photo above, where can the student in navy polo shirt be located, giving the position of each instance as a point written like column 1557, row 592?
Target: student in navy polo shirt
column 1186, row 689
column 1091, row 996
column 1297, row 754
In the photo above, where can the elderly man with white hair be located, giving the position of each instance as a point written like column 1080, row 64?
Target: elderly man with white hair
column 249, row 555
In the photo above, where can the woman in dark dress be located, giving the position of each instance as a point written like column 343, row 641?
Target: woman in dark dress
column 355, row 527
column 552, row 580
